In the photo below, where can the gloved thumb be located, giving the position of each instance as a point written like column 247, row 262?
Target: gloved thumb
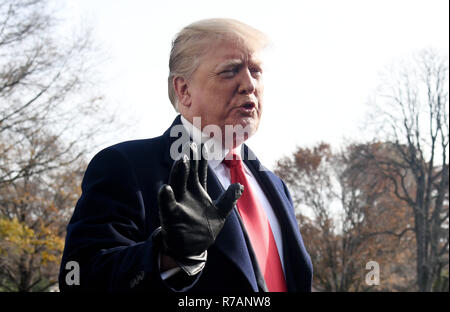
column 228, row 199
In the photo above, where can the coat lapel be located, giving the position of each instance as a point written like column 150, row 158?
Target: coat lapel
column 231, row 240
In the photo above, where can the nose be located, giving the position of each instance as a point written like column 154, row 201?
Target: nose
column 247, row 84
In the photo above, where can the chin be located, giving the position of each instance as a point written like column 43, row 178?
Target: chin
column 241, row 130
column 250, row 124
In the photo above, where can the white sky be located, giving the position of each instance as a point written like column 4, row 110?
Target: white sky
column 322, row 68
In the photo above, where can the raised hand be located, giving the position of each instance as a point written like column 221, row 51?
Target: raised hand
column 190, row 220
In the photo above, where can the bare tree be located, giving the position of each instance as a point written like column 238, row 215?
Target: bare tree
column 412, row 115
column 47, row 94
column 51, row 115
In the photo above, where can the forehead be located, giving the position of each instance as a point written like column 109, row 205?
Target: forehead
column 229, row 52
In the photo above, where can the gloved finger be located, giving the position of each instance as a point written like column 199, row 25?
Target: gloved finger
column 193, row 166
column 167, row 202
column 203, row 167
column 228, row 199
column 178, row 176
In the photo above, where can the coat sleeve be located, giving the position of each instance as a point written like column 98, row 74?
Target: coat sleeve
column 107, row 233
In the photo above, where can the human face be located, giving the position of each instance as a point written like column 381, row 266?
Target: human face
column 227, row 88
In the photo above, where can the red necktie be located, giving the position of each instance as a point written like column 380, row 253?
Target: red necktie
column 258, row 229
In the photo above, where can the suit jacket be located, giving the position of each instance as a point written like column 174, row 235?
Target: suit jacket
column 110, row 232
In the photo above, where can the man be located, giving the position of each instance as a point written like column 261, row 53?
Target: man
column 193, row 209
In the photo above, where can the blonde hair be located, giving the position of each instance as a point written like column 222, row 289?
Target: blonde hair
column 193, row 40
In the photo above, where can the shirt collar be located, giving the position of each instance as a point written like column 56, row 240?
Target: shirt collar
column 216, row 151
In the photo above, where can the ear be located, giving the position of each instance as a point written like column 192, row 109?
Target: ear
column 181, row 87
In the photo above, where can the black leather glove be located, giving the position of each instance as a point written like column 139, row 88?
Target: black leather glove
column 190, row 220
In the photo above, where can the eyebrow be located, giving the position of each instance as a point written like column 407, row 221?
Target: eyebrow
column 236, row 62
column 229, row 63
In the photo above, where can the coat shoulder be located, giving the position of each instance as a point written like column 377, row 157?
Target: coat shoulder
column 138, row 147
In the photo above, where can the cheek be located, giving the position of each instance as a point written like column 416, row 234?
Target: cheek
column 220, row 99
column 200, row 101
column 260, row 97
column 260, row 89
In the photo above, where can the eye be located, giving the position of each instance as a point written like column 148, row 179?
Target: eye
column 227, row 73
column 256, row 72
column 230, row 72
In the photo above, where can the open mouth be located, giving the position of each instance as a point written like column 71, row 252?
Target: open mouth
column 248, row 106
